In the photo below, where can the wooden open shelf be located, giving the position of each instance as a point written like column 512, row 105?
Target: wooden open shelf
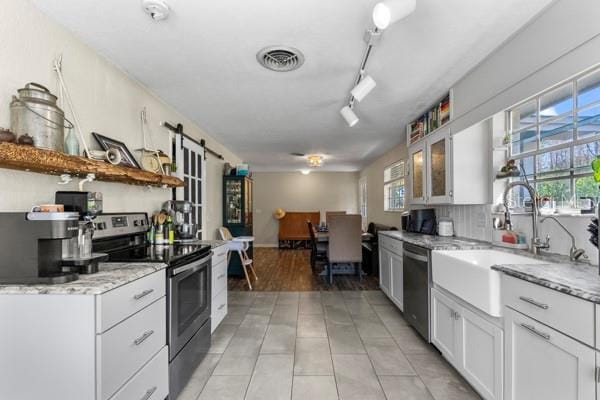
column 29, row 158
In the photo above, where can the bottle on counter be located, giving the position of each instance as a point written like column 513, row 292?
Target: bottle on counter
column 170, row 230
column 159, row 235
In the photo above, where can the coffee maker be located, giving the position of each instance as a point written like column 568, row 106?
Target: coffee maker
column 181, row 212
column 31, row 246
column 77, row 251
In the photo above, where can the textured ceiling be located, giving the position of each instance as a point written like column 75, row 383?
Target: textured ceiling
column 202, row 60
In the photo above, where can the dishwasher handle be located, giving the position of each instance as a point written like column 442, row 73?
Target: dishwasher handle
column 415, row 256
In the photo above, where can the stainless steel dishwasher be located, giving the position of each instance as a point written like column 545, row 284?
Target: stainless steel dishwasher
column 417, row 284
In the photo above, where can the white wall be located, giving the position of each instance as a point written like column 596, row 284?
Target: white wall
column 374, row 175
column 292, row 191
column 107, row 101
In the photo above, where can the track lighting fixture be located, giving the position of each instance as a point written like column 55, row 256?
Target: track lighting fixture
column 363, row 88
column 390, row 11
column 349, row 116
column 385, row 13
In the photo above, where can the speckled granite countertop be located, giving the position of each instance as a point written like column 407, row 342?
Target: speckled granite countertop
column 437, row 242
column 558, row 273
column 577, row 279
column 109, row 276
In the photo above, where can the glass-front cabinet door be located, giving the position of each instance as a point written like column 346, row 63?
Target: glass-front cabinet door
column 438, row 168
column 233, row 201
column 417, row 174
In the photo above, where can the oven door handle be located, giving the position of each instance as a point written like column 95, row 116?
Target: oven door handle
column 192, row 266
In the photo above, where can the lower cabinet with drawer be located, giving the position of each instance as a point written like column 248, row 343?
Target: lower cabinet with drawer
column 110, row 346
column 219, row 287
column 549, row 343
column 544, row 364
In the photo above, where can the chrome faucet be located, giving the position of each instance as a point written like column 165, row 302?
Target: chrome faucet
column 536, row 242
column 574, row 253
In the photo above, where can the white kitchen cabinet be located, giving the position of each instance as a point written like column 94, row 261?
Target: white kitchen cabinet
column 417, row 174
column 391, row 271
column 544, row 364
column 218, row 287
column 444, row 329
column 385, row 272
column 451, row 168
column 481, row 358
column 397, row 280
column 92, row 347
column 472, row 344
column 439, row 183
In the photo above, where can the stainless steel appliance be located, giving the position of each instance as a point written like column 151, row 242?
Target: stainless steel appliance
column 123, row 237
column 422, row 221
column 31, row 246
column 182, row 211
column 34, row 112
column 77, row 252
column 87, row 204
column 417, row 287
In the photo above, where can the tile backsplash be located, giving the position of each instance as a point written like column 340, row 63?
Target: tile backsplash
column 472, row 221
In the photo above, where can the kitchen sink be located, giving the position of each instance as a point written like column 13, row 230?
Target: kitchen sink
column 469, row 275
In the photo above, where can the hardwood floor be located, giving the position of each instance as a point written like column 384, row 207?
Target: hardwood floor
column 289, row 270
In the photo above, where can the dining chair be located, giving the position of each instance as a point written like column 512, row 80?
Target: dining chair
column 318, row 251
column 240, row 245
column 345, row 237
column 329, row 214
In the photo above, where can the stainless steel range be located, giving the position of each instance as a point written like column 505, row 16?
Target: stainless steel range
column 123, row 238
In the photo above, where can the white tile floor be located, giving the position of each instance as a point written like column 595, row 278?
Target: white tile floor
column 320, row 346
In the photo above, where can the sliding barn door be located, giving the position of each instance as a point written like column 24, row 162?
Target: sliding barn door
column 191, row 168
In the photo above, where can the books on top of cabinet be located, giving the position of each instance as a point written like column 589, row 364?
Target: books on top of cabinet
column 435, row 117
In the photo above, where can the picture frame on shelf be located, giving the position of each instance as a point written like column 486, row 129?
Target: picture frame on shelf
column 127, row 159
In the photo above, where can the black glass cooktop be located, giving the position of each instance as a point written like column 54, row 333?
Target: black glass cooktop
column 169, row 254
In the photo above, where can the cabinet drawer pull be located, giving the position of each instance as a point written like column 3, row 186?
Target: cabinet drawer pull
column 533, row 302
column 142, row 338
column 221, row 306
column 532, row 329
column 143, row 294
column 221, row 276
column 149, row 393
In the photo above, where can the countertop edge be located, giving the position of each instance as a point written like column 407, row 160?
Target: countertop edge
column 510, row 270
column 90, row 285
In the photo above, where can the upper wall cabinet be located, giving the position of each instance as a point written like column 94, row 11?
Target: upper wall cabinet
column 447, row 168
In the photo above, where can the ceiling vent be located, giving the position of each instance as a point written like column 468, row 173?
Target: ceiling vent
column 280, row 58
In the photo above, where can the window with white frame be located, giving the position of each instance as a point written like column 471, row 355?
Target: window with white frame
column 555, row 136
column 393, row 187
column 362, row 198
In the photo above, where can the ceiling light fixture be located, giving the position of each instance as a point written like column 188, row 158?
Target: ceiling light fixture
column 349, row 116
column 390, row 11
column 157, row 9
column 314, row 160
column 362, row 89
column 384, row 14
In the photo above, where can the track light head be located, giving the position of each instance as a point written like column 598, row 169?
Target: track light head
column 349, row 116
column 363, row 88
column 390, row 11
